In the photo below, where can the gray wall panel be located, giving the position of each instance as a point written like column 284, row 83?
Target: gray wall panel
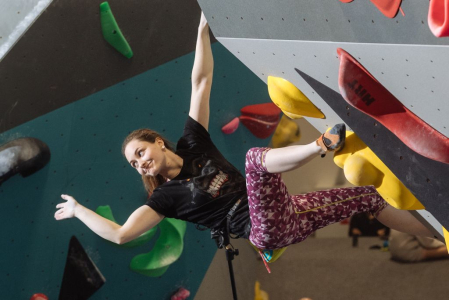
column 416, row 75
column 327, row 20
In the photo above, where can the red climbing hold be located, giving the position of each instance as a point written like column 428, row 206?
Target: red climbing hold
column 261, row 119
column 39, row 297
column 361, row 90
column 181, row 294
column 438, row 18
column 231, row 127
column 388, row 7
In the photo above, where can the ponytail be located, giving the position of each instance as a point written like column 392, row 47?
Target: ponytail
column 150, row 183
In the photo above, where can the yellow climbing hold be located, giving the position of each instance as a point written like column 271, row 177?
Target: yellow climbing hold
column 258, row 293
column 291, row 100
column 270, row 256
column 446, row 238
column 362, row 167
column 292, row 115
column 286, row 133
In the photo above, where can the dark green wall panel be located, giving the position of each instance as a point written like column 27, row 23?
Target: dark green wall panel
column 85, row 139
column 63, row 56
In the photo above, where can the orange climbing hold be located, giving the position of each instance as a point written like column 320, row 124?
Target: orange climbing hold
column 361, row 90
column 389, row 8
column 438, row 17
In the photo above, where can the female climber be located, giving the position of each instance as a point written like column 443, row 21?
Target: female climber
column 195, row 183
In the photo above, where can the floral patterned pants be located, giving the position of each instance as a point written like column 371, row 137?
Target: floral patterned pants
column 279, row 219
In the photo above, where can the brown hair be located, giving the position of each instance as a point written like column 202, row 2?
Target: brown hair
column 148, row 135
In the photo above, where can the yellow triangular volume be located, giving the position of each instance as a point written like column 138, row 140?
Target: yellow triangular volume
column 361, row 167
column 291, row 100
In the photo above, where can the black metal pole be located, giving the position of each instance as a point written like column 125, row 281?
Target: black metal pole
column 229, row 257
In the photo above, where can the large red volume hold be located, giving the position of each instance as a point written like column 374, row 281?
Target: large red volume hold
column 261, row 119
column 361, row 90
column 438, row 17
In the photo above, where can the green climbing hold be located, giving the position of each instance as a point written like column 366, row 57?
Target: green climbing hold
column 106, row 212
column 111, row 31
column 167, row 250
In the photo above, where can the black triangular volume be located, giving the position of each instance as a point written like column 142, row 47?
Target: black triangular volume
column 81, row 276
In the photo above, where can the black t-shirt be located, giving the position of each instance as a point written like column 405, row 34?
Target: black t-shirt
column 207, row 186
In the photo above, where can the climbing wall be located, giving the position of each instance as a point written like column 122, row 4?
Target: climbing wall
column 63, row 84
column 298, row 41
column 63, row 56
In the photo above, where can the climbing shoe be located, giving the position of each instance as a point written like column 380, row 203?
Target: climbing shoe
column 333, row 139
